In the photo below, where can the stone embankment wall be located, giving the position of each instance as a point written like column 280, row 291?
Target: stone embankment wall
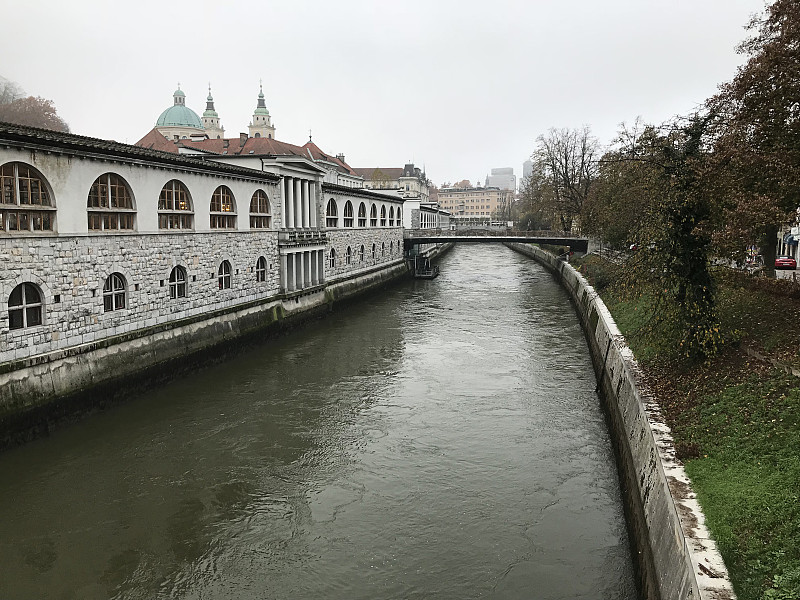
column 677, row 559
column 39, row 391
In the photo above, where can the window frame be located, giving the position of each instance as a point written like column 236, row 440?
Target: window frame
column 331, row 214
column 373, row 215
column 178, row 282
column 115, row 292
column 102, row 215
column 222, row 209
column 260, row 219
column 261, row 269
column 171, row 217
column 25, row 306
column 37, row 217
column 362, row 215
column 347, row 215
column 224, row 275
column 332, row 259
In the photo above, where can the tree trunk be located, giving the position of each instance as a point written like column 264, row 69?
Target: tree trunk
column 769, row 245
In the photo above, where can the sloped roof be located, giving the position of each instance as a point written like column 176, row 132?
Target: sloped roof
column 316, row 154
column 379, row 173
column 79, row 144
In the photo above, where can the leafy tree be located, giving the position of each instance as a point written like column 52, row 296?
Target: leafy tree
column 33, row 112
column 568, row 160
column 652, row 190
column 757, row 145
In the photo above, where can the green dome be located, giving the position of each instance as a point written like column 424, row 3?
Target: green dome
column 179, row 115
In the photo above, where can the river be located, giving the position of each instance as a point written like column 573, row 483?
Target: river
column 439, row 440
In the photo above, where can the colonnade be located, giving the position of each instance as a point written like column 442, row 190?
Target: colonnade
column 302, row 269
column 299, row 203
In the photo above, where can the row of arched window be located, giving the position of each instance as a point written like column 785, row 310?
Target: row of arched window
column 351, row 256
column 25, row 304
column 390, row 219
column 27, row 205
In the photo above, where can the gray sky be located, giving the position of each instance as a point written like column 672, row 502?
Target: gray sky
column 460, row 86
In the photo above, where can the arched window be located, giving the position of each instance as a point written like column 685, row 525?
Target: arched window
column 110, row 204
column 175, row 207
column 391, row 217
column 399, row 220
column 361, row 253
column 383, row 248
column 348, row 214
column 223, row 209
column 25, row 204
column 332, row 259
column 362, row 215
column 24, row 306
column 383, row 216
column 374, row 252
column 177, row 283
column 224, row 275
column 348, row 256
column 259, row 211
column 114, row 292
column 331, row 214
column 261, row 269
column 373, row 216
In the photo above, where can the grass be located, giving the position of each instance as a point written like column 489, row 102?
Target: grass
column 736, row 423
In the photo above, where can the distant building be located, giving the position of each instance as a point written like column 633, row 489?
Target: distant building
column 476, row 203
column 527, row 169
column 410, row 182
column 503, row 178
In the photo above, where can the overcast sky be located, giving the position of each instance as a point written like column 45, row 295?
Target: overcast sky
column 459, row 86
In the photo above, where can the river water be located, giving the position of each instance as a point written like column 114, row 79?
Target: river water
column 440, row 440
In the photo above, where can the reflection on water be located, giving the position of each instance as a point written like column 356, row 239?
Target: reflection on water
column 441, row 440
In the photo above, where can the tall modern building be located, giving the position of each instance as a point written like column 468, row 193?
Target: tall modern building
column 527, row 169
column 503, row 178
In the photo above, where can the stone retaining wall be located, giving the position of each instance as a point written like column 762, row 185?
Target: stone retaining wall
column 677, row 559
column 38, row 392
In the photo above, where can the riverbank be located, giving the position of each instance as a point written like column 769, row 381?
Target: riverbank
column 735, row 420
column 676, row 556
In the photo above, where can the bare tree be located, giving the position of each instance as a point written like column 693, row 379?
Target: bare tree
column 9, row 91
column 567, row 159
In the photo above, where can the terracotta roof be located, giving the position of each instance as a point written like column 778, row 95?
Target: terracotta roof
column 362, row 192
column 379, row 173
column 317, row 154
column 156, row 141
column 78, row 144
column 252, row 146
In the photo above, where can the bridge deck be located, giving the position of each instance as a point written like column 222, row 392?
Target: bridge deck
column 411, row 239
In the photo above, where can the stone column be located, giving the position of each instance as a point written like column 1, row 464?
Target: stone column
column 321, row 265
column 313, row 257
column 306, row 205
column 291, row 277
column 283, row 202
column 312, row 202
column 284, row 274
column 298, row 203
column 307, row 269
column 289, row 202
column 300, row 267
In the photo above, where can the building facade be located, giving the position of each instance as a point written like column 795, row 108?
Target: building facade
column 410, row 182
column 478, row 204
column 102, row 240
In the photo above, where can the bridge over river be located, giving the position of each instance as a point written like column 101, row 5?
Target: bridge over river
column 413, row 237
column 442, row 440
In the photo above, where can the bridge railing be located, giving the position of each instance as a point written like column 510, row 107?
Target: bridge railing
column 449, row 233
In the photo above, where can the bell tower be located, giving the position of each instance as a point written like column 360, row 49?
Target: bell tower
column 261, row 125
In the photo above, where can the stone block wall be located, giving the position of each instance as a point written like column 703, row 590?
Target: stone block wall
column 71, row 271
column 388, row 243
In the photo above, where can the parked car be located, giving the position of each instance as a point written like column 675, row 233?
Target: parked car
column 785, row 262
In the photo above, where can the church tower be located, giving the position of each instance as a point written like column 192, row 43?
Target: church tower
column 211, row 123
column 261, row 125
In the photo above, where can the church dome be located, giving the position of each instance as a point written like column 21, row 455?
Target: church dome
column 179, row 115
